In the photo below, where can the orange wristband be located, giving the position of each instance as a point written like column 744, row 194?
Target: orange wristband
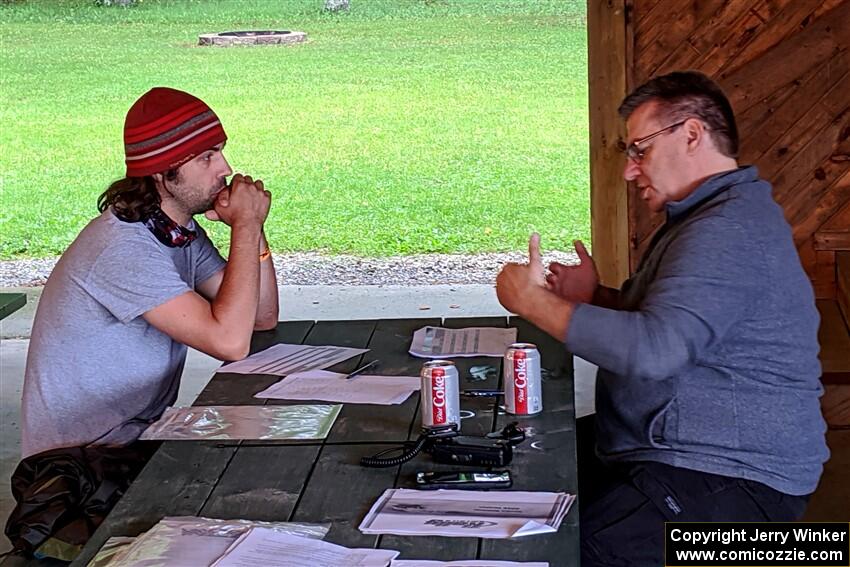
column 265, row 254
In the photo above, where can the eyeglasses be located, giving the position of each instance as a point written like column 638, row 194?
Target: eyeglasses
column 635, row 153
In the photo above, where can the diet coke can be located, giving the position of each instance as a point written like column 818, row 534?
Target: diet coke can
column 440, row 394
column 523, row 389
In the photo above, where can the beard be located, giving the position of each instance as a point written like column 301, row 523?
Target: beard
column 201, row 208
column 199, row 201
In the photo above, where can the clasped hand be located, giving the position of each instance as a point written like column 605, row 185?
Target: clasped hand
column 244, row 202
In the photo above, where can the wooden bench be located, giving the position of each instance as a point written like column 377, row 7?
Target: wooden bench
column 11, row 302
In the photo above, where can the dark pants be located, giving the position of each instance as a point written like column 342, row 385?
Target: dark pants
column 623, row 507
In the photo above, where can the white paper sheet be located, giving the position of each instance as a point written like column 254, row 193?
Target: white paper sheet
column 244, row 422
column 188, row 541
column 261, row 546
column 333, row 387
column 459, row 513
column 470, row 563
column 438, row 342
column 283, row 359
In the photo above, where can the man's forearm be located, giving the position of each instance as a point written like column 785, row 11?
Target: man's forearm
column 235, row 304
column 548, row 312
column 267, row 306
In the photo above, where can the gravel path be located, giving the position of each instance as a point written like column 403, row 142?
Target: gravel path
column 318, row 269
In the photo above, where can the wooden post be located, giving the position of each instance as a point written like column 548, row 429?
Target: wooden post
column 609, row 51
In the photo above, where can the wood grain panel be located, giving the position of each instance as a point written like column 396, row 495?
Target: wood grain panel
column 769, row 9
column 825, row 7
column 762, row 114
column 780, row 121
column 786, row 22
column 676, row 33
column 716, row 31
column 654, row 26
column 834, row 198
column 812, row 139
column 740, row 35
column 803, row 213
column 754, row 81
column 644, row 9
column 841, row 219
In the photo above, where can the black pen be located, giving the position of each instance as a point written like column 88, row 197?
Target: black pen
column 481, row 393
column 361, row 369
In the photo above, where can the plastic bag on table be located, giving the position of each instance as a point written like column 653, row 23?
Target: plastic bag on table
column 244, row 422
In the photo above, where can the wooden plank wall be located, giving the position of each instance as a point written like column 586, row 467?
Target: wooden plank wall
column 785, row 65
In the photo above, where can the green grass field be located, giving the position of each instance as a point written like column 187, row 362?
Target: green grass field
column 403, row 126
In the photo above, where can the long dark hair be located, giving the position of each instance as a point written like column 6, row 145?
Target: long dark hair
column 133, row 198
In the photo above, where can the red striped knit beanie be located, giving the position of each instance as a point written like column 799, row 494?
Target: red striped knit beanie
column 165, row 128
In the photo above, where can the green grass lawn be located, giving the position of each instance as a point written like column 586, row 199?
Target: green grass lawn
column 403, row 126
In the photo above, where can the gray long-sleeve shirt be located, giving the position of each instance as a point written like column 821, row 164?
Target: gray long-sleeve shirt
column 711, row 363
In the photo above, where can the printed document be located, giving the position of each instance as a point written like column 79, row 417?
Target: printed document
column 461, row 513
column 333, row 387
column 438, row 342
column 284, row 359
column 470, row 563
column 191, row 541
column 262, row 546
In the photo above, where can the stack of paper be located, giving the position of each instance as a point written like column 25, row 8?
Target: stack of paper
column 261, row 546
column 244, row 422
column 458, row 513
column 189, row 541
column 470, row 563
column 437, row 342
column 333, row 387
column 283, row 359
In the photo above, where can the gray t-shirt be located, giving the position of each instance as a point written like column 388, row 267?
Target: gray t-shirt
column 96, row 370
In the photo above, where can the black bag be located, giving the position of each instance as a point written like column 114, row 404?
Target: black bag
column 66, row 493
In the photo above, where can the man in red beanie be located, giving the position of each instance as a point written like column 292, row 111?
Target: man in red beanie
column 142, row 281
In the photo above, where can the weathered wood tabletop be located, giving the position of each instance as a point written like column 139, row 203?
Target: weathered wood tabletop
column 323, row 482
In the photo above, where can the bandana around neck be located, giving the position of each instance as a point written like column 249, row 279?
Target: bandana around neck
column 167, row 231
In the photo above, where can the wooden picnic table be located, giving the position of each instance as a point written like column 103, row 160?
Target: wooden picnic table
column 322, row 482
column 11, row 302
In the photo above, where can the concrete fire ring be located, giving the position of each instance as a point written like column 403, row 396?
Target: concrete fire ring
column 252, row 37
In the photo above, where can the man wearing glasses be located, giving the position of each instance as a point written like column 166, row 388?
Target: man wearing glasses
column 708, row 384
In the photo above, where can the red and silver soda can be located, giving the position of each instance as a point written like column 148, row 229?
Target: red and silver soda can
column 440, row 394
column 523, row 388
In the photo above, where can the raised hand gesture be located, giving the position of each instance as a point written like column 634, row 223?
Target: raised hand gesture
column 577, row 282
column 517, row 283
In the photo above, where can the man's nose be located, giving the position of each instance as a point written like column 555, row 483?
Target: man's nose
column 227, row 169
column 632, row 169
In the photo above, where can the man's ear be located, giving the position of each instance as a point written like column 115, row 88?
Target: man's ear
column 695, row 132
